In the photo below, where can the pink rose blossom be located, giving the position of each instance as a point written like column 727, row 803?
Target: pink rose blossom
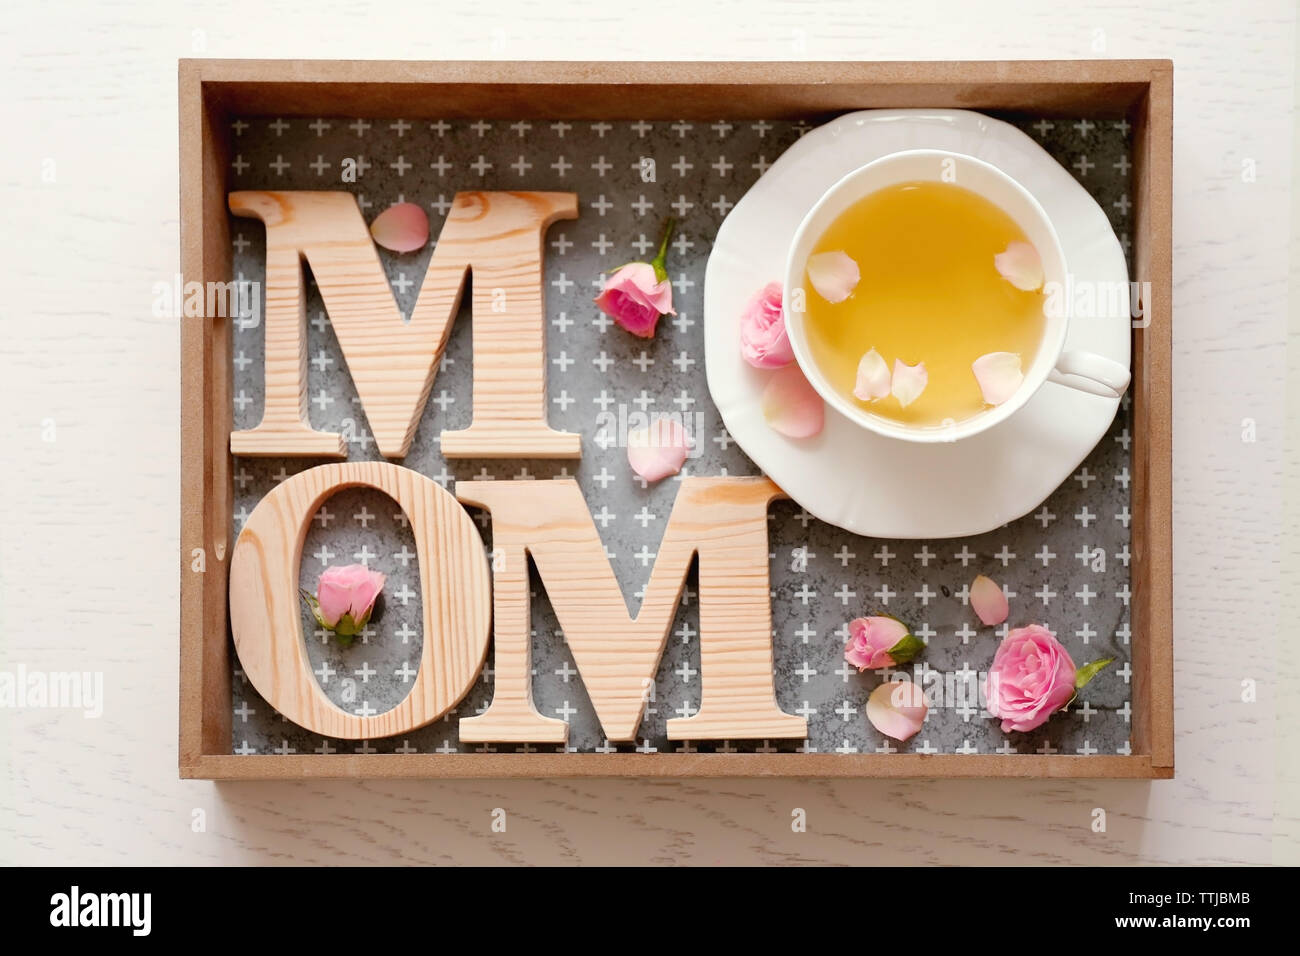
column 763, row 340
column 1031, row 678
column 637, row 294
column 870, row 640
column 635, row 297
column 345, row 598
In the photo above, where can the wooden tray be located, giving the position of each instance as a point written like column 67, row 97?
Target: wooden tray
column 212, row 91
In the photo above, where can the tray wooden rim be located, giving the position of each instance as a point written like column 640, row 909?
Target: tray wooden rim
column 210, row 91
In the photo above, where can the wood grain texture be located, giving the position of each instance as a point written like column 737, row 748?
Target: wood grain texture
column 754, row 90
column 206, row 491
column 728, row 88
column 497, row 235
column 1152, row 565
column 723, row 520
column 266, row 611
column 695, row 766
column 88, row 792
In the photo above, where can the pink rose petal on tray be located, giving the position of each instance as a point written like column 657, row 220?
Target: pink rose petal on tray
column 897, row 709
column 658, row 450
column 873, row 378
column 401, row 228
column 791, row 405
column 834, row 275
column 988, row 601
column 909, row 381
column 999, row 375
column 1020, row 265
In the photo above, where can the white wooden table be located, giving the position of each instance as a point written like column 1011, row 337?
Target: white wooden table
column 89, row 562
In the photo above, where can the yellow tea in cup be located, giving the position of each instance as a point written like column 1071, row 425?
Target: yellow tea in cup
column 928, row 292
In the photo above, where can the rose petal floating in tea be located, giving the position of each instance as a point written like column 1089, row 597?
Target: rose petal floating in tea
column 927, row 291
column 833, row 274
column 401, row 228
column 909, row 381
column 897, row 709
column 873, row 377
column 763, row 339
column 658, row 450
column 1020, row 265
column 792, row 406
column 999, row 375
column 988, row 601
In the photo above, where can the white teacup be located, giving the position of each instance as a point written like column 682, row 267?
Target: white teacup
column 1085, row 371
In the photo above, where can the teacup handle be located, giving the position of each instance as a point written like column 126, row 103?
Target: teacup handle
column 1089, row 372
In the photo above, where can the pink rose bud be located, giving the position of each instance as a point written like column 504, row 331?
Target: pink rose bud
column 1032, row 677
column 345, row 597
column 763, row 341
column 639, row 293
column 876, row 642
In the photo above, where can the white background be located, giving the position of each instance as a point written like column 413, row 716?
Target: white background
column 89, row 560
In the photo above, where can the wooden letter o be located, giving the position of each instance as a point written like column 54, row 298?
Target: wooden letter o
column 266, row 610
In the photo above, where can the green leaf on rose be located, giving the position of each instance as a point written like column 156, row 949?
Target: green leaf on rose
column 660, row 261
column 906, row 649
column 1088, row 671
column 345, row 629
column 314, row 605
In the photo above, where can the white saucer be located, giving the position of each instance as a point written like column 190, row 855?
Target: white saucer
column 878, row 486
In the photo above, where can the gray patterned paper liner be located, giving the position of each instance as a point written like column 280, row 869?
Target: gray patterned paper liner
column 1066, row 565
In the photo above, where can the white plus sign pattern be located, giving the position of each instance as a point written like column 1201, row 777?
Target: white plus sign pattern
column 1066, row 566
